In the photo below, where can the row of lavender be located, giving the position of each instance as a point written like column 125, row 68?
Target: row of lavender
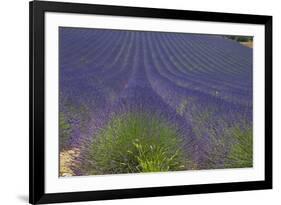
column 201, row 83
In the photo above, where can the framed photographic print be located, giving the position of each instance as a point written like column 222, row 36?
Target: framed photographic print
column 140, row 102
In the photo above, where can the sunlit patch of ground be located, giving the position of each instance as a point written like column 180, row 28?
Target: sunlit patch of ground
column 67, row 161
column 248, row 44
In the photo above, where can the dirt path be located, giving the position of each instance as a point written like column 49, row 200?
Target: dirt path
column 67, row 160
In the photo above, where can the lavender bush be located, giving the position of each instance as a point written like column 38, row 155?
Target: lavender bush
column 137, row 142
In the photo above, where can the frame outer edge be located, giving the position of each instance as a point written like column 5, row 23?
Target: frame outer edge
column 36, row 97
column 268, row 102
column 31, row 179
column 37, row 193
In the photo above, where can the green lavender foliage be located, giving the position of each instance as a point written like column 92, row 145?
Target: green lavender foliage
column 64, row 131
column 133, row 143
column 241, row 153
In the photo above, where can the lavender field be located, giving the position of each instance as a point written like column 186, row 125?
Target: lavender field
column 133, row 101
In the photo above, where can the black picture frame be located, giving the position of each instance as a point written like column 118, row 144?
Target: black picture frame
column 37, row 11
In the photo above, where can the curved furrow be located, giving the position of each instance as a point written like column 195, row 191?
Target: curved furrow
column 109, row 48
column 73, row 37
column 76, row 72
column 77, row 57
column 220, row 79
column 236, row 48
column 123, row 62
column 166, row 85
column 195, row 61
column 191, row 76
column 213, row 42
column 174, row 53
column 228, row 59
column 207, row 59
column 178, row 59
column 156, row 66
column 238, row 81
column 116, row 78
column 207, row 45
column 93, row 93
column 84, row 43
column 92, row 56
column 210, row 64
column 198, row 62
column 109, row 68
column 167, row 67
column 188, row 83
column 103, row 57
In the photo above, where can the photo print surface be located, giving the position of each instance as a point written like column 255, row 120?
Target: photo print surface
column 144, row 101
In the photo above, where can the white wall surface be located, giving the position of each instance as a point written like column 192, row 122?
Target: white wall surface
column 14, row 100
